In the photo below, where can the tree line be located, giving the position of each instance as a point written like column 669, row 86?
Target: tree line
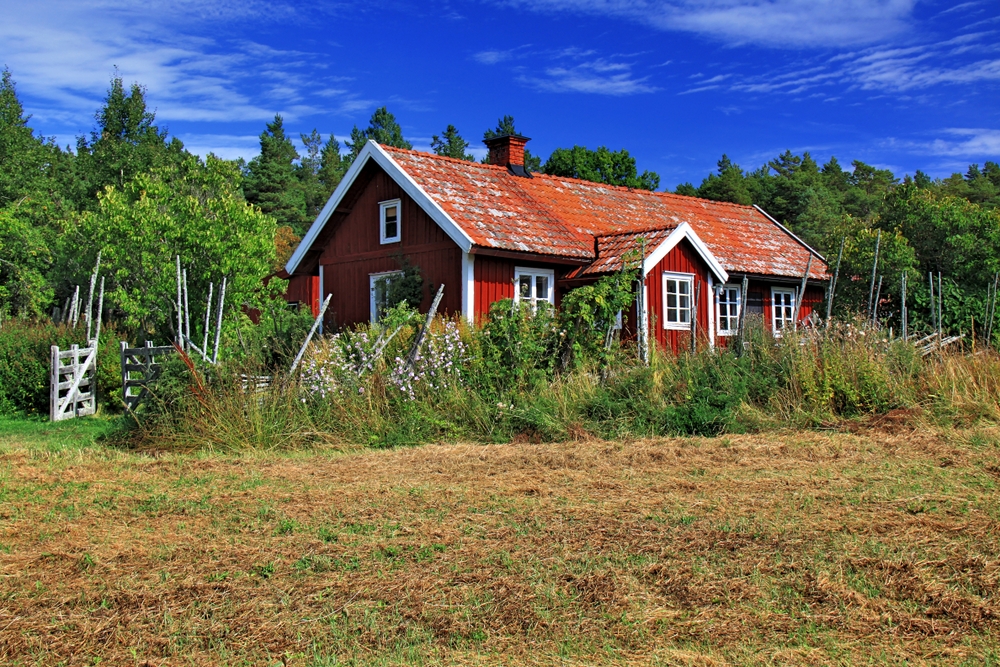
column 135, row 195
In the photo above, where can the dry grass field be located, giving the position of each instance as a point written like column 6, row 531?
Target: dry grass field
column 877, row 546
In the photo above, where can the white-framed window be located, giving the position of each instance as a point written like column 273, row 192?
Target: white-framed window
column 782, row 308
column 534, row 286
column 678, row 292
column 389, row 221
column 379, row 284
column 730, row 302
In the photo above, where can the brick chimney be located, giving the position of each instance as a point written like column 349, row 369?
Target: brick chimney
column 508, row 151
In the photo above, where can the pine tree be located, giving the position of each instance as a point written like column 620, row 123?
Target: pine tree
column 382, row 129
column 22, row 155
column 505, row 127
column 332, row 166
column 451, row 144
column 271, row 181
column 729, row 185
column 125, row 143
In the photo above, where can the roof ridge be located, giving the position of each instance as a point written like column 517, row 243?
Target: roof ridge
column 640, row 230
column 581, row 181
column 443, row 158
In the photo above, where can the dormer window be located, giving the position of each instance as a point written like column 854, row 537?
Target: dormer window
column 389, row 221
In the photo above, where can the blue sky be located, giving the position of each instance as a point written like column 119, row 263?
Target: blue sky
column 902, row 84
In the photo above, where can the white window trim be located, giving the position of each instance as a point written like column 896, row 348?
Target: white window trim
column 525, row 270
column 739, row 308
column 679, row 326
column 382, row 205
column 372, row 279
column 774, row 320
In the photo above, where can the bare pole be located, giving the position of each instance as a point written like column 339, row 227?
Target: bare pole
column 218, row 321
column 100, row 314
column 694, row 317
column 833, row 286
column 180, row 315
column 74, row 308
column 187, row 314
column 740, row 333
column 902, row 313
column 871, row 287
column 312, row 332
column 642, row 316
column 878, row 296
column 801, row 293
column 208, row 319
column 992, row 310
column 415, row 349
column 940, row 309
column 90, row 294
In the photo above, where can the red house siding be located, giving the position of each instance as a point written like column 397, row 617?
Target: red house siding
column 494, row 282
column 353, row 251
column 682, row 259
column 304, row 289
column 494, row 278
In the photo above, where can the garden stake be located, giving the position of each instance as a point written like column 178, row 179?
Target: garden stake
column 90, row 294
column 180, row 315
column 878, row 295
column 218, row 321
column 208, row 320
column 187, row 314
column 871, row 288
column 312, row 332
column 833, row 285
column 940, row 310
column 801, row 294
column 903, row 313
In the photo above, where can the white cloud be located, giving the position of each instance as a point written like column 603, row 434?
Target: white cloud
column 599, row 77
column 891, row 70
column 65, row 60
column 771, row 23
column 967, row 142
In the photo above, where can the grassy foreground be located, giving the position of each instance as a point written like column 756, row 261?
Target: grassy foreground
column 873, row 547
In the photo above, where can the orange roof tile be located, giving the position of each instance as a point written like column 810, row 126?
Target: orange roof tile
column 563, row 216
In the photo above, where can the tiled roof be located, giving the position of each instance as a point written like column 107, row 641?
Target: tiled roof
column 612, row 248
column 553, row 215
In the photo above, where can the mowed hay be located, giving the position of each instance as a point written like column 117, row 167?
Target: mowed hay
column 800, row 548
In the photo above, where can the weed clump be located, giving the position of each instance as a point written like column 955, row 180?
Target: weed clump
column 510, row 379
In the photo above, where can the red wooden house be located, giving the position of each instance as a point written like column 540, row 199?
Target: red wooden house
column 493, row 231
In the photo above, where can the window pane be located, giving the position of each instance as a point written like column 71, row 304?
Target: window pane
column 685, row 286
column 524, row 287
column 390, row 213
column 671, row 300
column 671, row 314
column 390, row 229
column 542, row 287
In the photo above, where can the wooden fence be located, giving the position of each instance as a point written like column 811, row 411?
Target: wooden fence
column 141, row 362
column 73, row 387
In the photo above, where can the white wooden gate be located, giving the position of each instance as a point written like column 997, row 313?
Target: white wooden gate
column 73, row 388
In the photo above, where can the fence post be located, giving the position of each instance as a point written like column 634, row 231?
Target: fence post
column 54, row 383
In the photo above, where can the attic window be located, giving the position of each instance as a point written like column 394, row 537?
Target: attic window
column 534, row 286
column 389, row 231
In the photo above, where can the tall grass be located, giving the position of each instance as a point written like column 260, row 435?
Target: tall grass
column 495, row 384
